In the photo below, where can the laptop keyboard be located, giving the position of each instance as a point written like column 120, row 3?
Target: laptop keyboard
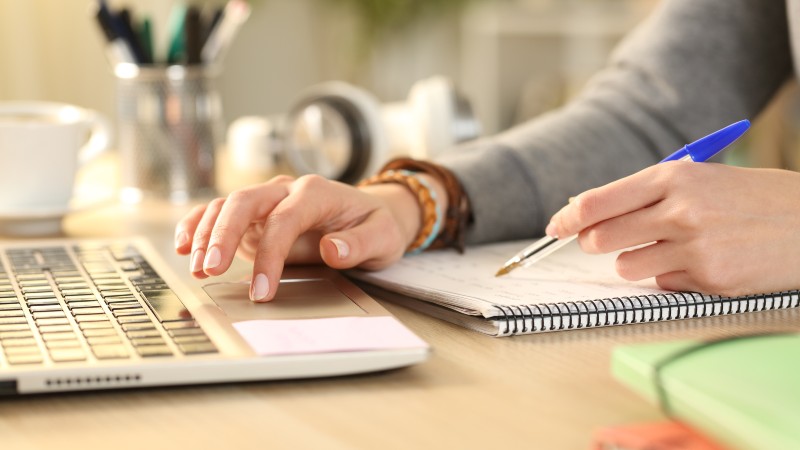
column 64, row 304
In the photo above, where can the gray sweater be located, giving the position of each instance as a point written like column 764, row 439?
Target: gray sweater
column 691, row 68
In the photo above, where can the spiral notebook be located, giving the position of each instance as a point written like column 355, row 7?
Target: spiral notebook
column 567, row 290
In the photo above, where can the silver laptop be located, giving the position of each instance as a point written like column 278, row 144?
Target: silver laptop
column 106, row 314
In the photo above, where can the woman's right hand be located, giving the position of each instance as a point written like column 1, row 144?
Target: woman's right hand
column 304, row 220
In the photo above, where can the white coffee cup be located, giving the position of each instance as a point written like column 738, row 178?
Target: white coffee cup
column 42, row 145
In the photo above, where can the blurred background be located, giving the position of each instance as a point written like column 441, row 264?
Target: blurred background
column 513, row 59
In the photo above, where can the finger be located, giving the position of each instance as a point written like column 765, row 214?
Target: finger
column 202, row 234
column 184, row 230
column 296, row 214
column 373, row 244
column 649, row 261
column 634, row 228
column 679, row 281
column 614, row 199
column 240, row 210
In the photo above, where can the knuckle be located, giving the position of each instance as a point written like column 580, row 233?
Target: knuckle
column 310, row 182
column 596, row 240
column 219, row 232
column 217, row 203
column 282, row 179
column 585, row 206
column 687, row 218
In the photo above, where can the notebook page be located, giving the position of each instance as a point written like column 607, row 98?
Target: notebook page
column 467, row 281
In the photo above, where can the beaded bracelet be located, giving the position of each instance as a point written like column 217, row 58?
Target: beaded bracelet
column 458, row 216
column 432, row 216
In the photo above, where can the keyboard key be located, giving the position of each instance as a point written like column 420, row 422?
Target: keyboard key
column 148, row 341
column 183, row 324
column 84, row 304
column 22, row 350
column 44, row 308
column 78, row 298
column 71, row 292
column 153, row 350
column 166, row 305
column 48, row 315
column 94, row 332
column 191, row 339
column 12, row 320
column 96, row 340
column 29, row 358
column 68, row 286
column 54, row 328
column 51, row 321
column 26, row 341
column 91, row 318
column 134, row 319
column 187, row 332
column 62, row 336
column 129, row 312
column 95, row 325
column 67, row 354
column 6, row 336
column 43, row 302
column 62, row 344
column 134, row 334
column 121, row 299
column 138, row 326
column 109, row 351
column 197, row 348
column 38, row 295
column 88, row 311
column 124, row 305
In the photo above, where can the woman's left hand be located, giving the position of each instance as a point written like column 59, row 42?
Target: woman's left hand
column 706, row 227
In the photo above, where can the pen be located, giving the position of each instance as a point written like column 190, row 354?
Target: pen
column 698, row 151
column 233, row 16
column 117, row 49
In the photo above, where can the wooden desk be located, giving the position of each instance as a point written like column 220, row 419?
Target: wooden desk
column 544, row 391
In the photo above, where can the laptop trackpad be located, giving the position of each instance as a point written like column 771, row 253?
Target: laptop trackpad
column 296, row 299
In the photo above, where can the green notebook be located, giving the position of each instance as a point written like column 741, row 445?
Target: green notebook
column 743, row 392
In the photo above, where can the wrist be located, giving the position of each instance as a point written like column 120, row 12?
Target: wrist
column 403, row 206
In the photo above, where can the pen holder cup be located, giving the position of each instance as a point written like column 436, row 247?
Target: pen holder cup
column 169, row 127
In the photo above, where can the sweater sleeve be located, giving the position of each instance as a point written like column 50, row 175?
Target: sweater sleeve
column 690, row 68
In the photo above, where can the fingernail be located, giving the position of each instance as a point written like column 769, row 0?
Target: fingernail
column 213, row 258
column 181, row 239
column 342, row 249
column 197, row 260
column 551, row 230
column 260, row 287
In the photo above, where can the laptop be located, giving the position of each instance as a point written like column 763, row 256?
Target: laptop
column 80, row 314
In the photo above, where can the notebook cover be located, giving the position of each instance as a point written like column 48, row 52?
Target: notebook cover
column 744, row 393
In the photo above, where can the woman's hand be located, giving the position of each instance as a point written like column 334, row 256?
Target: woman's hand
column 708, row 227
column 304, row 220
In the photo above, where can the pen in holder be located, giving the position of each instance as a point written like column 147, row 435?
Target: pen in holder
column 169, row 126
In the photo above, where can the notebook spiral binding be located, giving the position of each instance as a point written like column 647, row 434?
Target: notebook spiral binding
column 635, row 309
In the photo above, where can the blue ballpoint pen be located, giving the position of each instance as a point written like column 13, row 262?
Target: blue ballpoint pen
column 698, row 151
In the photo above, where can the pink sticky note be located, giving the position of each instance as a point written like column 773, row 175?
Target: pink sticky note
column 338, row 334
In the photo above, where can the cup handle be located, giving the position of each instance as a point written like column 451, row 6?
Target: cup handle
column 100, row 138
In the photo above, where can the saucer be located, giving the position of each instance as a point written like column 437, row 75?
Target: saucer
column 45, row 221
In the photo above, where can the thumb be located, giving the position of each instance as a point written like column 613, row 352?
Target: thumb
column 373, row 244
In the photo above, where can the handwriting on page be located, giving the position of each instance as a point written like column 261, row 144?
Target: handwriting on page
column 567, row 275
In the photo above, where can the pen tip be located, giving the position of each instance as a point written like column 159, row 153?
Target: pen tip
column 505, row 269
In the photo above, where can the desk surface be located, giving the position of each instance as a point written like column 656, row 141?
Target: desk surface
column 536, row 391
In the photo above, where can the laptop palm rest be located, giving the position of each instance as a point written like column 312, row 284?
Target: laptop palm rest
column 296, row 299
